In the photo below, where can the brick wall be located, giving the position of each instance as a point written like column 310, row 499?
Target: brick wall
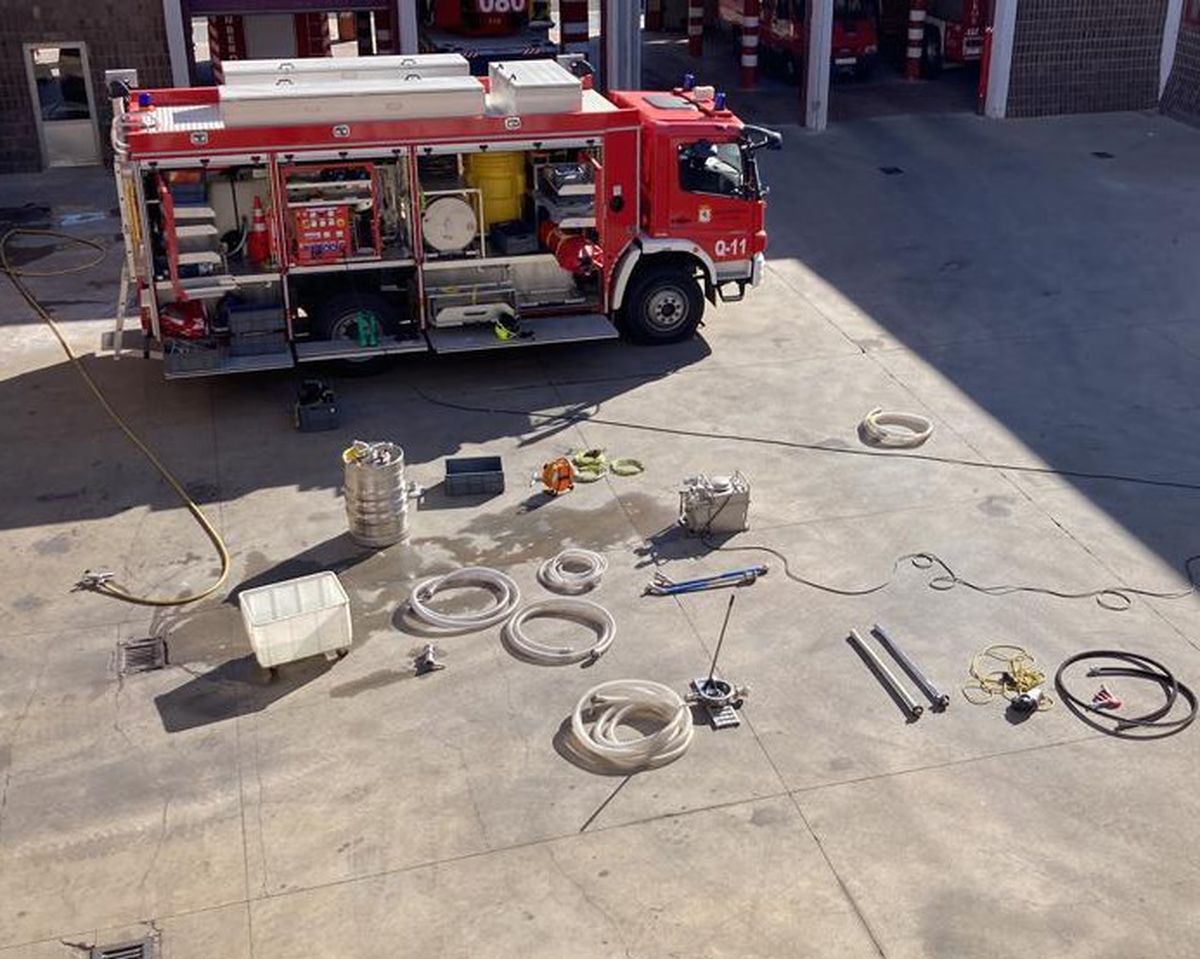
column 118, row 33
column 1181, row 99
column 1085, row 56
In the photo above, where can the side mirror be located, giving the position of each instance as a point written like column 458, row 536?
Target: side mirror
column 756, row 138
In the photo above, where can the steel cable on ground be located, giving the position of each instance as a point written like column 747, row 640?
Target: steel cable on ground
column 809, row 447
column 1114, row 598
column 92, row 581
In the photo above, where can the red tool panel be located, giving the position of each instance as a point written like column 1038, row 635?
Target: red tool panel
column 323, row 233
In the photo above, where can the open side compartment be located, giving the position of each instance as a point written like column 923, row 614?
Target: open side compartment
column 508, row 237
column 352, row 282
column 218, row 303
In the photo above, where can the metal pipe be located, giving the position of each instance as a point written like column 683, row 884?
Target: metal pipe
column 886, row 676
column 939, row 699
column 712, row 670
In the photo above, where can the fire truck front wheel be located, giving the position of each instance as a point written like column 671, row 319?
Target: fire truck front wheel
column 664, row 304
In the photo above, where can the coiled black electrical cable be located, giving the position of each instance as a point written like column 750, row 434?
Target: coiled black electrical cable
column 1151, row 725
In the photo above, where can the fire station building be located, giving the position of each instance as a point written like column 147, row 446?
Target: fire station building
column 1044, row 56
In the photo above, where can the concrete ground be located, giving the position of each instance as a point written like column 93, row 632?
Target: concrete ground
column 1036, row 301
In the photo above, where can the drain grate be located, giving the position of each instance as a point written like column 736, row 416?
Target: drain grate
column 890, row 170
column 141, row 655
column 138, row 949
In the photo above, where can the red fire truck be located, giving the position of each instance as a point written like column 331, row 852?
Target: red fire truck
column 486, row 30
column 354, row 208
column 783, row 35
column 954, row 32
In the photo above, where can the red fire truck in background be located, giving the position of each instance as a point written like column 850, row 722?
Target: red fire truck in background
column 381, row 205
column 783, row 35
column 486, row 30
column 954, row 31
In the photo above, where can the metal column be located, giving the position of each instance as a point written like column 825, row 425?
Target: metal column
column 750, row 21
column 820, row 53
column 621, row 43
column 916, row 39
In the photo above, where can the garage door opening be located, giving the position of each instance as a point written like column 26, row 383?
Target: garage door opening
column 926, row 57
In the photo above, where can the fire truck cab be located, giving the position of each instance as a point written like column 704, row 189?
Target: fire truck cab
column 350, row 209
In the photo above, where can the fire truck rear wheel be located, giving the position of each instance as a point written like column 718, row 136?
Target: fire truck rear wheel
column 337, row 318
column 664, row 306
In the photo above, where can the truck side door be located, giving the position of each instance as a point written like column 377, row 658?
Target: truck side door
column 710, row 204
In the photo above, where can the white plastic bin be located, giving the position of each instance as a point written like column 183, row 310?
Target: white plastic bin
column 296, row 618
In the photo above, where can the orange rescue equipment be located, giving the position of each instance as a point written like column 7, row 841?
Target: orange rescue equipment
column 574, row 251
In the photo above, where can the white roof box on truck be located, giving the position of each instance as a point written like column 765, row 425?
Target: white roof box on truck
column 533, row 86
column 346, row 101
column 318, row 69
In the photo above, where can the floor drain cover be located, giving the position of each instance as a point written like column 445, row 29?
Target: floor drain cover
column 139, row 949
column 141, row 656
column 1103, row 155
column 890, row 170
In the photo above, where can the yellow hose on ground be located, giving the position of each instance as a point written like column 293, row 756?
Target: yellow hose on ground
column 101, row 583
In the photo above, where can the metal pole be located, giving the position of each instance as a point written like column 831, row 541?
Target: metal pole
column 749, row 51
column 939, row 699
column 886, row 675
column 916, row 39
column 712, row 670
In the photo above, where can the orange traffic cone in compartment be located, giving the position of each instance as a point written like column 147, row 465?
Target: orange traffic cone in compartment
column 258, row 244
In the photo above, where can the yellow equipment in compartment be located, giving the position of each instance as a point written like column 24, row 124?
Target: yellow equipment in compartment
column 500, row 177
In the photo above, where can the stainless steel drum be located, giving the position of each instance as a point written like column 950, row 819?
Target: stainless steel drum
column 376, row 494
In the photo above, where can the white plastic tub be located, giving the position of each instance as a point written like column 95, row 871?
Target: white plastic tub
column 297, row 618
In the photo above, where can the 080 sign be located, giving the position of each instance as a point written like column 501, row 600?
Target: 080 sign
column 500, row 6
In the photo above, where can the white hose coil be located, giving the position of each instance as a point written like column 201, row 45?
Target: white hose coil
column 914, row 429
column 573, row 571
column 582, row 611
column 504, row 591
column 610, row 704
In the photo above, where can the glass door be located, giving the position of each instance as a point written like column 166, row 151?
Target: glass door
column 61, row 88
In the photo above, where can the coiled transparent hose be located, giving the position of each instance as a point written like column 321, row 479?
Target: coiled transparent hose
column 914, row 429
column 504, row 591
column 572, row 571
column 621, row 701
column 584, row 611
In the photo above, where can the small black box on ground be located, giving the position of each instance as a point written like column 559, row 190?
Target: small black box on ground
column 474, row 476
column 316, row 408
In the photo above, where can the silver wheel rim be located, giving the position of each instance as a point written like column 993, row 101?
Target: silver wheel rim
column 667, row 309
column 345, row 330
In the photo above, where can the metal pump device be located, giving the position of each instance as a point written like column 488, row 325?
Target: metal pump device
column 722, row 699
